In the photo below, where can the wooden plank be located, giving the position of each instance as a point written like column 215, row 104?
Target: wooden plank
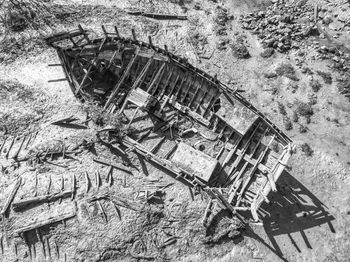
column 39, row 224
column 11, row 196
column 23, row 203
column 121, row 80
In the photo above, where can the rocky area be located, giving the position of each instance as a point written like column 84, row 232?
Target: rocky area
column 289, row 58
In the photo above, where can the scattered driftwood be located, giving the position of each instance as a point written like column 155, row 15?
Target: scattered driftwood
column 51, row 220
column 22, row 204
column 68, row 122
column 158, row 16
column 11, row 196
column 107, row 163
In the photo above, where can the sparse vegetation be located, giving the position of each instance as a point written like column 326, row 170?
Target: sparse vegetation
column 295, row 117
column 287, row 123
column 307, row 150
column 327, row 77
column 268, row 52
column 304, row 109
column 287, row 70
column 315, row 85
column 302, row 129
column 282, row 109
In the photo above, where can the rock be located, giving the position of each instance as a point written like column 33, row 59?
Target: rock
column 268, row 52
column 327, row 20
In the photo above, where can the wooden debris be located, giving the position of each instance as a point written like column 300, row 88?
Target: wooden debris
column 87, row 182
column 2, row 244
column 25, row 203
column 19, row 149
column 57, row 250
column 97, row 179
column 48, row 248
column 103, row 213
column 39, row 224
column 73, row 186
column 3, row 144
column 10, row 147
column 49, row 186
column 11, row 196
column 116, row 210
column 39, row 236
column 168, row 242
column 104, row 162
column 158, row 16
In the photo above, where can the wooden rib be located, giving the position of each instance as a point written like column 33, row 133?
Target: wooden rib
column 259, row 142
column 143, row 73
column 156, row 79
column 185, row 93
column 202, row 98
column 84, row 33
column 196, row 92
column 121, row 80
column 210, row 104
column 261, row 157
column 91, row 65
column 165, row 85
column 245, row 148
column 183, row 80
column 172, row 88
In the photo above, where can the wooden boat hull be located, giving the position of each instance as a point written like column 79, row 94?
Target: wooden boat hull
column 205, row 134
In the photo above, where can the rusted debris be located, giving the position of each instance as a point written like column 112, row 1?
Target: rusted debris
column 25, row 203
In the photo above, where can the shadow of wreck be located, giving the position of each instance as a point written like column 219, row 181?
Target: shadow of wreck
column 293, row 208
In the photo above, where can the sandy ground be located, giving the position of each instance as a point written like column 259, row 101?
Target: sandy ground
column 307, row 220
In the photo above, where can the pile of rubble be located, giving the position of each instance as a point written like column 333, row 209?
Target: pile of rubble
column 281, row 26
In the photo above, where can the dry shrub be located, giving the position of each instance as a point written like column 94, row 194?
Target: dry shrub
column 307, row 149
column 21, row 107
column 315, row 85
column 17, row 15
column 287, row 70
column 327, row 77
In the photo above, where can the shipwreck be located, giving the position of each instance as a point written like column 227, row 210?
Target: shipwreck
column 205, row 134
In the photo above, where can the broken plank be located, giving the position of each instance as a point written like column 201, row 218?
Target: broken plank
column 17, row 206
column 39, row 224
column 11, row 196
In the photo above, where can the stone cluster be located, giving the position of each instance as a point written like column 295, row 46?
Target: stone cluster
column 281, row 26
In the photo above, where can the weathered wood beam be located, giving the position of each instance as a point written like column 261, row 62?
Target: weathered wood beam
column 121, row 80
column 39, row 224
column 21, row 204
column 11, row 196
